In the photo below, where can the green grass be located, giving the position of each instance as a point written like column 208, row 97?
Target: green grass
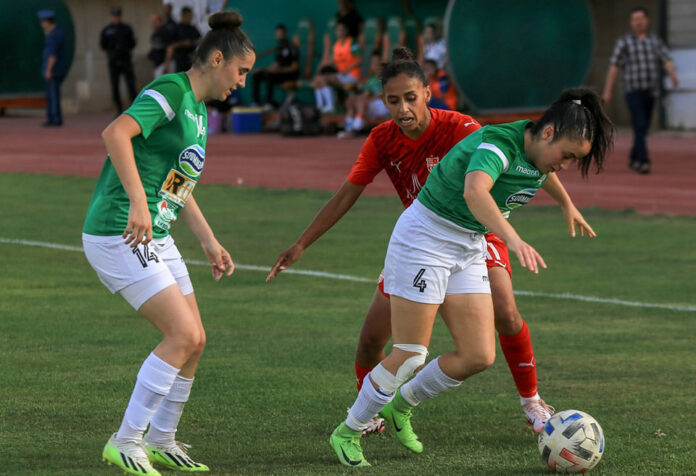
column 277, row 375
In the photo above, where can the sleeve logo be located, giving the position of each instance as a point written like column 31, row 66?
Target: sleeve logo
column 177, row 188
column 192, row 160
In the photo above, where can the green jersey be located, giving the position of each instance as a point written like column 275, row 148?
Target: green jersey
column 498, row 151
column 169, row 155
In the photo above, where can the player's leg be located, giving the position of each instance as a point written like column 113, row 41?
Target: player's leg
column 160, row 440
column 114, row 75
column 513, row 334
column 411, row 330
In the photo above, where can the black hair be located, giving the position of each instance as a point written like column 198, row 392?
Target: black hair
column 402, row 62
column 186, row 10
column 225, row 35
column 432, row 62
column 638, row 9
column 578, row 114
column 281, row 26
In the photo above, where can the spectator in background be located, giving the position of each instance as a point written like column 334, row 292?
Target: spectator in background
column 348, row 14
column 118, row 41
column 639, row 53
column 443, row 93
column 185, row 42
column 434, row 46
column 368, row 104
column 53, row 67
column 342, row 72
column 286, row 67
column 158, row 45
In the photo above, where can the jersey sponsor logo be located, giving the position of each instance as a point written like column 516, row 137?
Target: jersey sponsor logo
column 165, row 215
column 192, row 160
column 431, row 162
column 198, row 120
column 177, row 188
column 526, row 171
column 520, row 198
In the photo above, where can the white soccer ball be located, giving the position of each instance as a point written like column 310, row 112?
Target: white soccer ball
column 571, row 442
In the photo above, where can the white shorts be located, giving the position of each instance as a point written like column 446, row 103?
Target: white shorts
column 430, row 257
column 136, row 273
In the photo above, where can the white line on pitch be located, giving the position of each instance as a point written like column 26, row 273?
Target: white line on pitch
column 346, row 277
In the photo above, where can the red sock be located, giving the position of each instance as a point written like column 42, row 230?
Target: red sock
column 520, row 358
column 360, row 374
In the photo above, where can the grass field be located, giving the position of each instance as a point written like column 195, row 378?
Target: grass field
column 277, row 375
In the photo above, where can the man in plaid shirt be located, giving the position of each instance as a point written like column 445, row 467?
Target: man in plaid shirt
column 638, row 54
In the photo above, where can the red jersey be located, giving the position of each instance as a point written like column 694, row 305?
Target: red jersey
column 406, row 161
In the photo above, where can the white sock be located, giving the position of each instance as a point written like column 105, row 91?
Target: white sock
column 155, row 379
column 357, row 123
column 533, row 398
column 369, row 403
column 319, row 98
column 327, row 94
column 348, row 123
column 166, row 418
column 428, row 383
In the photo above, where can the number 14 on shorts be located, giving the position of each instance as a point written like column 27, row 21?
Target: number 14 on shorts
column 146, row 255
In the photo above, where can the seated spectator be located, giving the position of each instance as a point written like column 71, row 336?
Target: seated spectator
column 434, row 46
column 185, row 42
column 368, row 104
column 444, row 94
column 343, row 71
column 284, row 68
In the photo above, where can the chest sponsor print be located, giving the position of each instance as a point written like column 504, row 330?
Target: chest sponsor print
column 520, row 198
column 192, row 160
column 177, row 188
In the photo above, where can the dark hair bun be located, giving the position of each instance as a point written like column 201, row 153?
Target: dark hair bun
column 402, row 54
column 225, row 20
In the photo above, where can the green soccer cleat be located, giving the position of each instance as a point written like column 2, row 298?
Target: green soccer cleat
column 346, row 443
column 398, row 414
column 128, row 455
column 173, row 456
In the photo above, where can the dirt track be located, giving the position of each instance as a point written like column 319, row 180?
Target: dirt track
column 269, row 160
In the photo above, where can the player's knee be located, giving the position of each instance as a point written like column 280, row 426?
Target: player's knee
column 508, row 321
column 387, row 382
column 190, row 339
column 481, row 360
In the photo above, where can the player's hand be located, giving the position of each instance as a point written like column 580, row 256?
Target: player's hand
column 220, row 261
column 285, row 260
column 139, row 229
column 528, row 256
column 574, row 218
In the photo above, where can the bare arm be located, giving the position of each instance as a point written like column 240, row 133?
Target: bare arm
column 572, row 215
column 327, row 217
column 672, row 72
column 117, row 139
column 609, row 83
column 477, row 186
column 220, row 260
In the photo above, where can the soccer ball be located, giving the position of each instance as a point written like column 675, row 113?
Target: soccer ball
column 571, row 442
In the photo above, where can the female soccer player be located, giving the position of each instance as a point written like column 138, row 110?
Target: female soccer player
column 436, row 256
column 408, row 147
column 156, row 153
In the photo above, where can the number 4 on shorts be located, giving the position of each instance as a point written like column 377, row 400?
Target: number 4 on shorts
column 145, row 255
column 418, row 282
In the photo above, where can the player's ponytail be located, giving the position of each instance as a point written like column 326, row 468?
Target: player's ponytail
column 578, row 114
column 402, row 62
column 225, row 35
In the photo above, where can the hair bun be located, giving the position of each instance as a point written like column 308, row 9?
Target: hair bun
column 402, row 53
column 225, row 20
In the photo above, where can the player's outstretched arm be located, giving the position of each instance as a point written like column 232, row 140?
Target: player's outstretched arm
column 327, row 217
column 572, row 215
column 117, row 139
column 220, row 261
column 478, row 198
